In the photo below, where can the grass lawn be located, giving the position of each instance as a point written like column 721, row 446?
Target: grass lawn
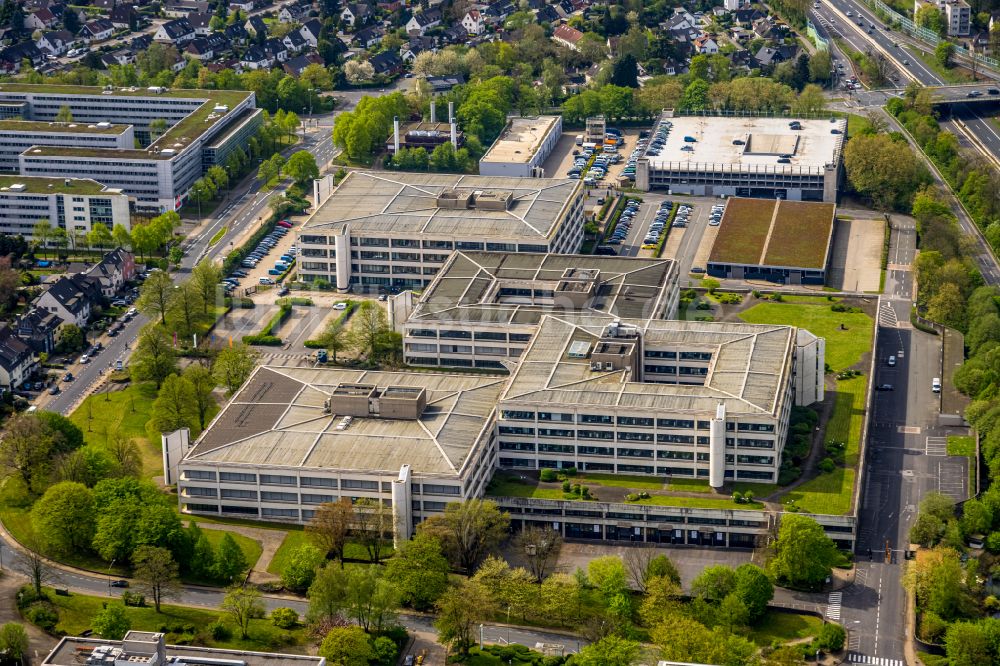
column 953, row 74
column 783, row 627
column 844, row 348
column 856, row 124
column 183, row 622
column 961, row 445
column 297, row 538
column 504, row 485
column 827, row 493
column 218, row 236
column 848, row 414
column 699, row 502
column 251, row 549
column 619, row 481
column 701, row 486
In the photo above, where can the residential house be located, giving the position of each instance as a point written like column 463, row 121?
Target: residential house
column 705, row 45
column 181, row 8
column 548, row 14
column 123, row 17
column 769, row 56
column 294, row 13
column 473, row 22
column 255, row 58
column 369, row 37
column 177, row 31
column 98, row 30
column 443, row 84
column 37, row 328
column 497, row 13
column 417, row 45
column 765, row 28
column 17, row 361
column 275, row 51
column 390, row 6
column 295, row 42
column 56, row 42
column 11, row 56
column 207, row 48
column 200, row 22
column 119, row 57
column 310, row 31
column 40, row 19
column 140, row 43
column 113, row 271
column 681, row 20
column 746, row 16
column 69, row 298
column 245, row 6
column 236, row 34
column 421, row 22
column 354, row 14
column 567, row 36
column 387, row 63
column 456, row 34
column 294, row 66
column 255, row 26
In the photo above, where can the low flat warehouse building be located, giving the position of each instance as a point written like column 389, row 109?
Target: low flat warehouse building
column 483, row 308
column 391, row 230
column 746, row 157
column 522, row 147
column 294, row 438
column 787, row 242
column 71, row 204
column 664, row 398
column 203, row 128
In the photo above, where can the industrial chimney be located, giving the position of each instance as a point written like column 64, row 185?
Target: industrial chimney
column 454, row 134
column 451, row 112
column 395, row 135
column 433, row 112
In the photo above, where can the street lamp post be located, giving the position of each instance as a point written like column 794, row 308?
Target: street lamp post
column 113, row 560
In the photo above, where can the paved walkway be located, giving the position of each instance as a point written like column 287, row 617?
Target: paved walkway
column 269, row 540
column 39, row 643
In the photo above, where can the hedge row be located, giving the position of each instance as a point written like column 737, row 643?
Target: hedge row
column 266, row 336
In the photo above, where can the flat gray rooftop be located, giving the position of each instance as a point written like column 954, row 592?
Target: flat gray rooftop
column 405, row 204
column 748, row 371
column 72, row 651
column 520, row 140
column 468, row 287
column 278, row 419
column 764, row 141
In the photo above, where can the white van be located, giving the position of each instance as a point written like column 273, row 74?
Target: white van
column 936, row 384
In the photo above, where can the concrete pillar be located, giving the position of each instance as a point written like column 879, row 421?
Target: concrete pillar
column 342, row 246
column 433, row 112
column 402, row 508
column 454, row 135
column 395, row 135
column 451, row 112
column 717, row 448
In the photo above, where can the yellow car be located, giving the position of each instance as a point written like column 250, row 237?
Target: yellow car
column 648, row 246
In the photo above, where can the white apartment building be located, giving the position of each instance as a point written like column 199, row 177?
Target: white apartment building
column 17, row 136
column 521, row 149
column 391, row 230
column 957, row 15
column 202, row 127
column 483, row 308
column 71, row 204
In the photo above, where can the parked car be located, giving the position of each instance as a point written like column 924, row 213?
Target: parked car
column 265, row 280
column 119, row 583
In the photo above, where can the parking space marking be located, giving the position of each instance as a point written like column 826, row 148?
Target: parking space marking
column 952, row 478
column 936, row 446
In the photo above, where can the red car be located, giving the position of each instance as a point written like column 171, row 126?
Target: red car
column 285, row 223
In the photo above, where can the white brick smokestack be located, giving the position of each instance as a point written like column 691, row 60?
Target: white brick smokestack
column 395, row 135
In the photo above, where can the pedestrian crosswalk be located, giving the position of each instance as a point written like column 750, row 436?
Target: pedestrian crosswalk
column 937, row 446
column 858, row 658
column 887, row 316
column 833, row 609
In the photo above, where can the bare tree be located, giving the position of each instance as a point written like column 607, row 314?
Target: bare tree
column 637, row 563
column 31, row 563
column 540, row 547
column 372, row 523
column 330, row 526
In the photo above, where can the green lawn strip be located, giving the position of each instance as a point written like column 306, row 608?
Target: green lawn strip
column 502, row 486
column 701, row 486
column 698, row 502
column 294, row 540
column 620, row 481
column 76, row 613
column 811, row 300
column 827, row 494
column 952, row 74
column 783, row 627
column 848, row 414
column 844, row 348
column 251, row 549
column 856, row 124
column 929, row 659
column 218, row 236
column 961, row 445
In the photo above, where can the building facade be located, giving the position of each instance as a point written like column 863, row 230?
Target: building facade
column 73, row 205
column 389, row 230
column 16, row 137
column 521, row 149
column 957, row 15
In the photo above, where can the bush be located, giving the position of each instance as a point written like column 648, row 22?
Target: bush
column 569, row 471
column 219, row 631
column 831, row 637
column 26, row 596
column 134, row 599
column 632, row 497
column 43, row 615
column 932, row 627
column 285, row 618
column 547, row 474
column 264, row 340
column 567, row 486
column 827, row 465
column 737, row 497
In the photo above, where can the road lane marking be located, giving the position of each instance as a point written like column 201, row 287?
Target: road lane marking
column 936, row 446
column 833, row 607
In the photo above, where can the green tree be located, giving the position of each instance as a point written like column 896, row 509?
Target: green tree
column 66, row 435
column 41, row 234
column 419, row 570
column 201, row 191
column 928, row 16
column 347, row 646
column 157, row 128
column 943, row 53
column 156, row 295
column 218, row 176
column 301, row 167
column 714, row 583
column 967, row 644
column 26, row 450
column 883, row 169
column 301, row 569
column 330, row 526
column 112, row 622
column 202, row 383
column 157, row 574
column 202, row 561
column 468, row 531
column 459, row 611
column 230, row 561
column 14, row 641
column 609, row 651
column 205, row 278
column 811, row 101
column 754, row 589
column 695, row 97
column 173, row 408
column 63, row 517
column 327, row 594
column 100, row 236
column 243, row 604
column 803, row 553
column 64, row 115
column 334, row 337
column 234, row 365
column 662, row 566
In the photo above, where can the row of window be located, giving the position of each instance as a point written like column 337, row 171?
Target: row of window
column 367, row 241
column 313, row 482
column 658, row 470
column 631, row 421
column 528, row 447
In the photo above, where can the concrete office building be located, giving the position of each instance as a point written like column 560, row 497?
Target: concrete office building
column 17, row 136
column 739, row 156
column 522, row 147
column 71, row 204
column 665, row 398
column 203, row 128
column 483, row 308
column 957, row 15
column 294, row 438
column 390, row 230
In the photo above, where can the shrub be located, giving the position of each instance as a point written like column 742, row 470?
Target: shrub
column 831, row 637
column 569, row 471
column 827, row 465
column 547, row 474
column 748, row 496
column 26, row 596
column 738, row 497
column 567, row 486
column 43, row 615
column 135, row 599
column 265, row 340
column 219, row 631
column 632, row 497
column 703, row 305
column 585, row 492
column 285, row 618
column 576, row 488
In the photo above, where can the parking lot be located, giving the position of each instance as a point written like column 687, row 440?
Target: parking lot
column 283, row 246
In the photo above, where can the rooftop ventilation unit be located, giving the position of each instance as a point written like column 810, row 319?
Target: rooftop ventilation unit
column 18, row 187
column 579, row 349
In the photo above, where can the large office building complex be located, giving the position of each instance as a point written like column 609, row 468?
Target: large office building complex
column 71, row 204
column 203, row 127
column 396, row 230
column 483, row 308
column 746, row 157
column 522, row 147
